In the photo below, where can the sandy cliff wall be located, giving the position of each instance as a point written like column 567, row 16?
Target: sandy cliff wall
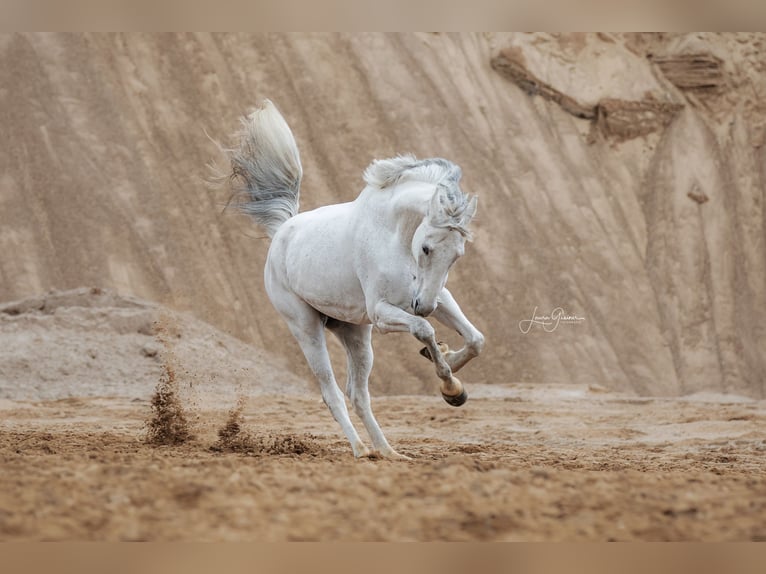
column 620, row 178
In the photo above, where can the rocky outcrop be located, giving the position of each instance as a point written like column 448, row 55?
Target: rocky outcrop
column 93, row 342
column 616, row 118
column 622, row 120
column 702, row 72
column 509, row 63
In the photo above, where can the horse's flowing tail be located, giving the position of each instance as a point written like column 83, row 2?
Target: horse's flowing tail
column 266, row 170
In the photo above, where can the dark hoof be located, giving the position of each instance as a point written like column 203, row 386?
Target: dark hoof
column 457, row 400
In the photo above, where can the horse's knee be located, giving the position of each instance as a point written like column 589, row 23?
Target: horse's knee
column 423, row 331
column 475, row 344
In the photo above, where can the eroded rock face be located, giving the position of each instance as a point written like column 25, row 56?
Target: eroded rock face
column 641, row 214
column 702, row 247
column 700, row 71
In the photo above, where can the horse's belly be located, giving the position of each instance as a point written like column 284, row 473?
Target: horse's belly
column 334, row 303
column 331, row 288
column 336, row 297
column 354, row 316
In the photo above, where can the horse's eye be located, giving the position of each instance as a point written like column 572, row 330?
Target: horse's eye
column 426, row 250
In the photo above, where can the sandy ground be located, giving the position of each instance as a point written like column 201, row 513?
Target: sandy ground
column 517, row 462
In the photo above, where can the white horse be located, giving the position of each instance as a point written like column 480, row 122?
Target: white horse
column 379, row 261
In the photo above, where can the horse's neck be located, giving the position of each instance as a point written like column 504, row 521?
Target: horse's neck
column 395, row 212
column 409, row 203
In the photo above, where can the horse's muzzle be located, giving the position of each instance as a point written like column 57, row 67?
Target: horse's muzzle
column 420, row 310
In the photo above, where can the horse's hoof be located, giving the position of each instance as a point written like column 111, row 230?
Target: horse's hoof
column 393, row 455
column 456, row 400
column 361, row 451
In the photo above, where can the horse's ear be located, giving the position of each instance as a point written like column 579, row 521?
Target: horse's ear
column 436, row 209
column 470, row 210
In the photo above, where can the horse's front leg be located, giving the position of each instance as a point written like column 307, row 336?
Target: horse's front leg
column 388, row 318
column 448, row 313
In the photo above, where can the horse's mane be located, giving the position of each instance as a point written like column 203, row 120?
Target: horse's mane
column 384, row 173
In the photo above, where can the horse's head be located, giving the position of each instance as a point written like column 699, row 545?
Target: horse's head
column 438, row 242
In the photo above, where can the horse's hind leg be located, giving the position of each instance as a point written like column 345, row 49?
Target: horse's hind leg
column 357, row 340
column 306, row 326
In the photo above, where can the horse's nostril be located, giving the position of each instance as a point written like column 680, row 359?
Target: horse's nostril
column 420, row 310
